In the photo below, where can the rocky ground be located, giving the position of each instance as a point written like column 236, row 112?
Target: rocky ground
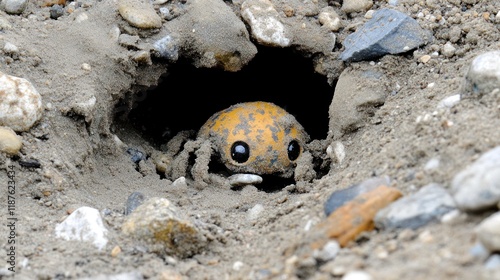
column 410, row 137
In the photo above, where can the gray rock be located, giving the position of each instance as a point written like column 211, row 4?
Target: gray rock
column 14, row 7
column 167, row 47
column 358, row 94
column 133, row 201
column 483, row 75
column 340, row 197
column 427, row 205
column 388, row 32
column 477, row 187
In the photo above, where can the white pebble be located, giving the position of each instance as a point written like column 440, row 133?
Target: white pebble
column 329, row 18
column 237, row 265
column 449, row 101
column 357, row 275
column 84, row 224
column 10, row 48
column 255, row 211
column 238, row 180
column 488, row 232
column 449, row 49
column 483, row 75
column 20, row 103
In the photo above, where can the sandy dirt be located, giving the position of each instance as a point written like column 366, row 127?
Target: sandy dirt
column 83, row 158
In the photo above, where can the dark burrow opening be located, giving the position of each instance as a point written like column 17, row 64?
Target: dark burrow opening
column 187, row 96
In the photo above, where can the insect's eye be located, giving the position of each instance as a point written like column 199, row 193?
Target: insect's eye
column 293, row 150
column 240, row 152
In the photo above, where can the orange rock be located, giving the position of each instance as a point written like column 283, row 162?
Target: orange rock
column 49, row 3
column 354, row 217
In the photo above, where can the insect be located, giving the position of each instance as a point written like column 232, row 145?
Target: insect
column 257, row 138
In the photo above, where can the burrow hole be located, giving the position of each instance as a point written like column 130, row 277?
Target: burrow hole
column 187, row 96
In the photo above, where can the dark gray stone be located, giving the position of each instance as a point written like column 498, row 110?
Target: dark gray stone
column 388, row 32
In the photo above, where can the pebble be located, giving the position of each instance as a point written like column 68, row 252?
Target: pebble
column 488, row 232
column 357, row 275
column 425, row 58
column 330, row 19
column 477, row 187
column 493, row 262
column 329, row 251
column 133, row 201
column 336, row 151
column 449, row 50
column 254, row 212
column 401, row 33
column 140, row 14
column 354, row 6
column 265, row 24
column 429, row 204
column 167, row 47
column 56, row 11
column 10, row 143
column 163, row 227
column 483, row 75
column 449, row 101
column 20, row 103
column 136, row 155
column 10, row 49
column 239, row 180
column 84, row 224
column 14, row 7
column 341, row 197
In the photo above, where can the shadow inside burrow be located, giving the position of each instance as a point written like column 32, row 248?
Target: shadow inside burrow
column 187, row 96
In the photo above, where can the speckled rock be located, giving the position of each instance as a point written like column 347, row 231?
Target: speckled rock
column 211, row 38
column 265, row 23
column 477, row 187
column 139, row 13
column 354, row 6
column 10, row 143
column 20, row 103
column 162, row 227
column 330, row 19
column 483, row 75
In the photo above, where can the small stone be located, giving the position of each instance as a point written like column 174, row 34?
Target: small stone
column 167, row 47
column 483, row 75
column 14, row 7
column 10, row 143
column 142, row 57
column 493, row 262
column 429, row 204
column 488, row 232
column 329, row 18
column 136, row 155
column 399, row 34
column 140, row 14
column 336, row 151
column 56, row 11
column 328, row 252
column 115, row 251
column 84, row 224
column 357, row 275
column 133, row 201
column 237, row 265
column 86, row 67
column 10, row 49
column 163, row 228
column 254, row 212
column 20, row 103
column 354, row 6
column 477, row 187
column 449, row 50
column 449, row 101
column 265, row 23
column 238, row 180
column 425, row 58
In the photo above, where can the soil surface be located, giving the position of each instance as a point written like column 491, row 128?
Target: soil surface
column 81, row 146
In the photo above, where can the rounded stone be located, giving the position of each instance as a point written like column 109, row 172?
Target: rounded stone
column 483, row 75
column 139, row 14
column 10, row 143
